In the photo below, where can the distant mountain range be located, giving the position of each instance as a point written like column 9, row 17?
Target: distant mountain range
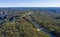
column 16, row 10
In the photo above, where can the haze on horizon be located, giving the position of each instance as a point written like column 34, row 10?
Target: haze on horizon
column 29, row 3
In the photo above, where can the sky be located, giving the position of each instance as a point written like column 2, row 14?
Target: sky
column 29, row 3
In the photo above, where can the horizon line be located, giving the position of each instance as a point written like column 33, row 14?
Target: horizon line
column 12, row 6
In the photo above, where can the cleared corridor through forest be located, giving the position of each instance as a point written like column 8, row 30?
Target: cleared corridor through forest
column 38, row 25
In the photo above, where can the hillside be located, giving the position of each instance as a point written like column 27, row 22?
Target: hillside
column 29, row 22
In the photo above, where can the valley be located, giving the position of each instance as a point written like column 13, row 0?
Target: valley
column 29, row 22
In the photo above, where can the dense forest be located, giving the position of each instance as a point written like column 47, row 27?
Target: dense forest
column 19, row 22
